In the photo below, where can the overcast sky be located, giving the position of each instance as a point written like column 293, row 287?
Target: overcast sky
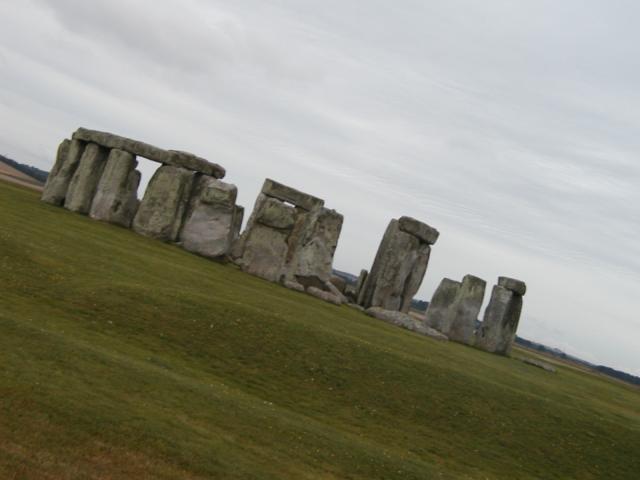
column 511, row 127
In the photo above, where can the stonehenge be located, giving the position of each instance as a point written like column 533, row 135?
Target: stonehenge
column 290, row 237
column 399, row 266
column 455, row 306
column 185, row 202
column 498, row 329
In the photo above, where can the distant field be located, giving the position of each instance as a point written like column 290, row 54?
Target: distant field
column 126, row 358
column 10, row 174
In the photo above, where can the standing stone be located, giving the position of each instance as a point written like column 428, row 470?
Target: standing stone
column 501, row 318
column 208, row 227
column 441, row 303
column 399, row 266
column 116, row 198
column 162, row 209
column 67, row 160
column 313, row 255
column 359, row 284
column 237, row 222
column 459, row 325
column 84, row 182
column 265, row 244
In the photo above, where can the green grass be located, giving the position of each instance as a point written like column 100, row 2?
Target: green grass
column 123, row 357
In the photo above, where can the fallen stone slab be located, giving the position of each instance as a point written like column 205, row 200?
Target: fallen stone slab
column 175, row 158
column 355, row 306
column 324, row 295
column 516, row 286
column 293, row 285
column 418, row 229
column 404, row 320
column 540, row 364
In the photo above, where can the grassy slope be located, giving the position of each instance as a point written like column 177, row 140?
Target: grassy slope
column 122, row 357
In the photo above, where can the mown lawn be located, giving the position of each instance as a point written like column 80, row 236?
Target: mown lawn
column 122, row 357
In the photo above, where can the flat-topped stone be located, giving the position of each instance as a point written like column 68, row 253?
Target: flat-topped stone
column 418, row 229
column 295, row 197
column 175, row 158
column 516, row 286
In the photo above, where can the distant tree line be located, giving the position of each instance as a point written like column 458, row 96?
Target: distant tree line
column 34, row 172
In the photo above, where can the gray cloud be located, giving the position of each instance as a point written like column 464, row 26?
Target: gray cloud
column 509, row 126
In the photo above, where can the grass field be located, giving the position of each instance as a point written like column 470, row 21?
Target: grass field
column 123, row 357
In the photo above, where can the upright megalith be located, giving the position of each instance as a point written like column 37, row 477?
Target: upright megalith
column 116, row 198
column 399, row 266
column 313, row 255
column 498, row 329
column 437, row 313
column 208, row 228
column 84, row 183
column 460, row 322
column 67, row 160
column 290, row 238
column 162, row 209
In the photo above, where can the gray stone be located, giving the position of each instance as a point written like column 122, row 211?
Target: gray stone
column 419, row 229
column 162, row 209
column 295, row 197
column 397, row 271
column 84, row 183
column 355, row 306
column 293, row 285
column 498, row 329
column 404, row 320
column 517, row 286
column 312, row 250
column 324, row 295
column 265, row 250
column 208, row 227
column 459, row 325
column 175, row 158
column 116, row 199
column 67, row 161
column 237, row 222
column 276, row 214
column 359, row 284
column 540, row 364
column 332, row 288
column 440, row 304
column 339, row 282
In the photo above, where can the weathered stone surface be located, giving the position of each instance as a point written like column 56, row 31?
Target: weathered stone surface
column 460, row 323
column 397, row 270
column 500, row 323
column 84, row 182
column 540, row 364
column 209, row 222
column 312, row 254
column 355, row 306
column 419, row 229
column 237, row 222
column 293, row 285
column 517, row 286
column 338, row 282
column 264, row 253
column 295, row 197
column 161, row 211
column 441, row 303
column 414, row 280
column 67, row 161
column 324, row 295
column 276, row 214
column 404, row 320
column 332, row 288
column 359, row 284
column 175, row 158
column 116, row 199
